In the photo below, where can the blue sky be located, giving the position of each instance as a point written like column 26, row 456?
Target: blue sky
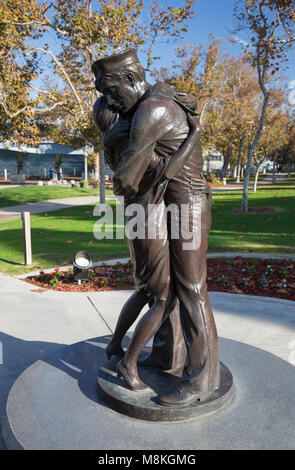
column 213, row 16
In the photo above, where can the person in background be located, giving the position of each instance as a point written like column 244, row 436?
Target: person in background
column 59, row 174
column 51, row 172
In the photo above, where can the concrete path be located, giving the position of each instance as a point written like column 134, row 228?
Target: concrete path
column 5, row 186
column 65, row 203
column 48, row 206
column 235, row 186
column 34, row 323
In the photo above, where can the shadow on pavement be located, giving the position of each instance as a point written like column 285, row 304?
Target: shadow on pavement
column 16, row 355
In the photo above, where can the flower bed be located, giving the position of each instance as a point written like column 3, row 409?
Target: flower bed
column 118, row 276
column 252, row 276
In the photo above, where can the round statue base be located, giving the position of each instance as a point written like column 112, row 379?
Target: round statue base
column 143, row 405
column 55, row 404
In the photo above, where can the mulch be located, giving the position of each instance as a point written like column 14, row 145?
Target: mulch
column 251, row 276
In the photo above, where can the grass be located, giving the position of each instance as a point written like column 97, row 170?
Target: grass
column 26, row 194
column 57, row 236
column 269, row 233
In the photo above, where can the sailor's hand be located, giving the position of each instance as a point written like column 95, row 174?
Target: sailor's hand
column 123, row 189
column 199, row 186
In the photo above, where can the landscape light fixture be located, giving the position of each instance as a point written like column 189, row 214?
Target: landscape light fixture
column 82, row 265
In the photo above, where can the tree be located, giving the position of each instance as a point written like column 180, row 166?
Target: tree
column 283, row 150
column 85, row 34
column 271, row 25
column 286, row 153
column 198, row 72
column 58, row 162
column 166, row 25
column 19, row 22
column 20, row 160
column 229, row 115
column 275, row 134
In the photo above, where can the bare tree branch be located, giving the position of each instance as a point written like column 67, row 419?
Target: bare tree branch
column 47, row 110
column 58, row 63
column 35, row 110
column 40, row 91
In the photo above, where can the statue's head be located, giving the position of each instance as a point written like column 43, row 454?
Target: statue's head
column 120, row 77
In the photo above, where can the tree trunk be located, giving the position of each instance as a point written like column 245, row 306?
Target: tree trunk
column 246, row 179
column 251, row 149
column 202, row 113
column 226, row 163
column 85, row 168
column 257, row 174
column 96, row 166
column 255, row 180
column 239, row 160
column 208, row 165
column 102, row 194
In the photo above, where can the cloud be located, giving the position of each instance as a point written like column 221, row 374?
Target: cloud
column 240, row 41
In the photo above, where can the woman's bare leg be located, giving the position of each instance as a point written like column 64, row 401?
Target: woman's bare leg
column 127, row 317
column 144, row 331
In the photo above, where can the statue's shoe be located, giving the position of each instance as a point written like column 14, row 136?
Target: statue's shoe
column 134, row 383
column 181, row 397
column 114, row 351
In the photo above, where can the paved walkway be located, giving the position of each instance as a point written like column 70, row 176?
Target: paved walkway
column 233, row 185
column 34, row 323
column 65, row 203
column 48, row 206
column 5, row 186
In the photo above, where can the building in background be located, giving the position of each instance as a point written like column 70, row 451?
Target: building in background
column 213, row 162
column 38, row 160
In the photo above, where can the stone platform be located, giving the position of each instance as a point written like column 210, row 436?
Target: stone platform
column 54, row 404
column 143, row 405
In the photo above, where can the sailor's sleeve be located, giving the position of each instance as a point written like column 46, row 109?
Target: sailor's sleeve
column 150, row 122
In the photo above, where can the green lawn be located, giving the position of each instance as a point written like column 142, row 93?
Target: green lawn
column 57, row 236
column 269, row 233
column 26, row 194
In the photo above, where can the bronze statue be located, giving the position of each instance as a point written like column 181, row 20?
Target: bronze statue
column 168, row 347
column 164, row 142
